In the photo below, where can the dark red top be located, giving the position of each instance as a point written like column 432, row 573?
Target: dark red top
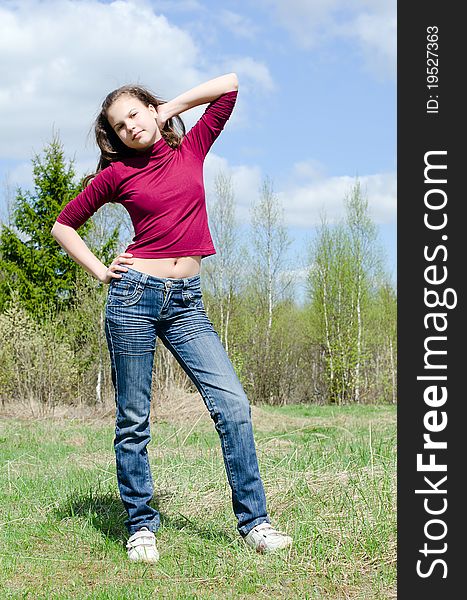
column 162, row 189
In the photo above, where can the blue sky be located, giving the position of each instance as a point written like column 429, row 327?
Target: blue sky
column 316, row 105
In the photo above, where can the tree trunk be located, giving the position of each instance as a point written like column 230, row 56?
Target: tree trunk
column 100, row 368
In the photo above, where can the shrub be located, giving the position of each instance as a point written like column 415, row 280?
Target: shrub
column 36, row 365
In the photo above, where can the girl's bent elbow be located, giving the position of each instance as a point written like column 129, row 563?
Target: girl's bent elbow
column 57, row 227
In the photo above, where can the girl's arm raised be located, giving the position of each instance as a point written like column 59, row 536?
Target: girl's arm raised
column 75, row 247
column 201, row 94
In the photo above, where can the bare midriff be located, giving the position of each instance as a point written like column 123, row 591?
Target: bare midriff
column 177, row 267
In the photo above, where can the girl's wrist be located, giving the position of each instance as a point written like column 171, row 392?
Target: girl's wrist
column 101, row 274
column 168, row 110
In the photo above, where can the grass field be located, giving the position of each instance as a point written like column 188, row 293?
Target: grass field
column 330, row 479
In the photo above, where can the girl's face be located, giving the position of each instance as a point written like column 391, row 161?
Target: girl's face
column 134, row 122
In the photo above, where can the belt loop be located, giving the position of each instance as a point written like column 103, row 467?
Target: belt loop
column 185, row 282
column 144, row 278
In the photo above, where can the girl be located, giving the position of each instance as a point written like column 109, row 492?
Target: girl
column 155, row 171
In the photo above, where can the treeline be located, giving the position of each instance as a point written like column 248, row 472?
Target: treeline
column 336, row 346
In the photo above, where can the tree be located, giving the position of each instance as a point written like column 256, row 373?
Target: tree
column 365, row 265
column 269, row 282
column 31, row 261
column 345, row 265
column 270, row 243
column 381, row 341
column 329, row 285
column 222, row 271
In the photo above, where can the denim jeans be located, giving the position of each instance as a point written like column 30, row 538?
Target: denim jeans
column 139, row 309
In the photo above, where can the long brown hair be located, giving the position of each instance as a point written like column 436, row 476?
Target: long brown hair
column 111, row 146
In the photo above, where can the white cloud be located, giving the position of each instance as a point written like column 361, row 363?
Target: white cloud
column 178, row 6
column 376, row 35
column 308, row 21
column 308, row 169
column 65, row 56
column 21, row 175
column 238, row 24
column 254, row 74
column 305, row 204
column 246, row 182
column 371, row 24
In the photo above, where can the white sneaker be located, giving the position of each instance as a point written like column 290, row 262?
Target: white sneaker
column 264, row 538
column 141, row 546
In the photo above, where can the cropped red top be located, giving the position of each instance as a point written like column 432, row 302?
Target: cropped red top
column 162, row 189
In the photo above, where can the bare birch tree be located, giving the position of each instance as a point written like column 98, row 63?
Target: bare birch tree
column 222, row 271
column 365, row 265
column 345, row 263
column 381, row 340
column 270, row 242
column 330, row 285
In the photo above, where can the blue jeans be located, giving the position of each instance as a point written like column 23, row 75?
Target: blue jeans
column 139, row 309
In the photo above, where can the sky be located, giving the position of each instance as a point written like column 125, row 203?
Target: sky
column 316, row 105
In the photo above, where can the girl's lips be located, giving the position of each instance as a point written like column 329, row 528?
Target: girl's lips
column 137, row 134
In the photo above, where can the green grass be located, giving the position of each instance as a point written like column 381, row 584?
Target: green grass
column 330, row 479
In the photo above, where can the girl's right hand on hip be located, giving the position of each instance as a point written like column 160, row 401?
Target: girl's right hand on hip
column 117, row 265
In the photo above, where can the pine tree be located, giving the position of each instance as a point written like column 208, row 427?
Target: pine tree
column 31, row 261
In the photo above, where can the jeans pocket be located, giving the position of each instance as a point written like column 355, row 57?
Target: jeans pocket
column 125, row 292
column 192, row 298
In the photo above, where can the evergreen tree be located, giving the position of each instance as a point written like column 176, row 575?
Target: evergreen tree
column 31, row 260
